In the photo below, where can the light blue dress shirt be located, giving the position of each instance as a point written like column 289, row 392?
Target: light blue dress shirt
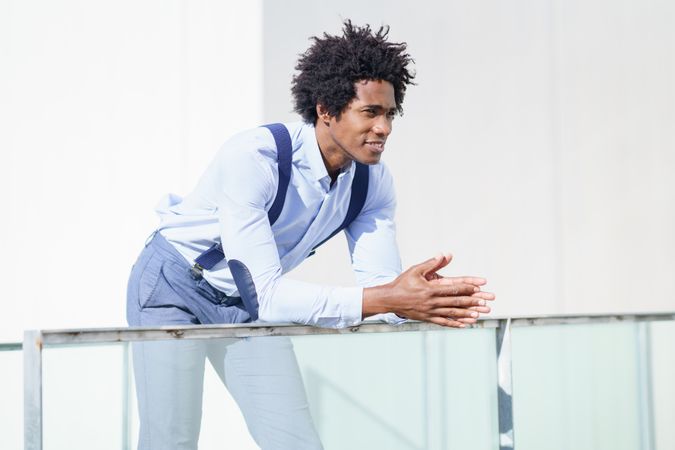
column 230, row 205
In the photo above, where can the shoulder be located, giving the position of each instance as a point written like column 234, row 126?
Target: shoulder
column 380, row 178
column 259, row 143
column 380, row 172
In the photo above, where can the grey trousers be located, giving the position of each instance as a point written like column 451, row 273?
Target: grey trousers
column 262, row 374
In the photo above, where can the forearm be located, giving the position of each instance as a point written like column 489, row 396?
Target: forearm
column 310, row 304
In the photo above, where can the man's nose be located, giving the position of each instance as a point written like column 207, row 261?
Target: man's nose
column 382, row 126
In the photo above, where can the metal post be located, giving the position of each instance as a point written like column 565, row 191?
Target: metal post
column 126, row 397
column 644, row 380
column 505, row 385
column 435, row 386
column 32, row 390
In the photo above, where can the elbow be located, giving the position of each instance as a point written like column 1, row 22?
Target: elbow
column 265, row 314
column 269, row 311
column 265, row 310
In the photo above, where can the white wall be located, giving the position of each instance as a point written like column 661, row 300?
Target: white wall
column 538, row 147
column 105, row 107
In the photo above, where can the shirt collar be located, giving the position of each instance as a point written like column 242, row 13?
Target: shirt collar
column 312, row 152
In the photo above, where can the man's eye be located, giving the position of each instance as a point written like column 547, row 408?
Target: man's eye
column 370, row 112
column 391, row 114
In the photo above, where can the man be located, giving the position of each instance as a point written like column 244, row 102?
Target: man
column 269, row 198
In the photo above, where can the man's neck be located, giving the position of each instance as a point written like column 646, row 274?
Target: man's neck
column 334, row 158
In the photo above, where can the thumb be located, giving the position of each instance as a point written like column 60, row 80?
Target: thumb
column 434, row 264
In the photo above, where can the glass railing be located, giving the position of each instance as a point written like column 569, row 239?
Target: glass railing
column 582, row 382
column 11, row 399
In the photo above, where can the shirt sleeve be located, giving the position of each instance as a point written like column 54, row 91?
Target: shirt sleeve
column 246, row 191
column 372, row 238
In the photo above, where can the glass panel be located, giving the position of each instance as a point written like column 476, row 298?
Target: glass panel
column 83, row 397
column 11, row 399
column 663, row 388
column 575, row 386
column 90, row 401
column 392, row 390
column 402, row 390
column 185, row 397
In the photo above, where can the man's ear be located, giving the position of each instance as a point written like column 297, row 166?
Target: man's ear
column 323, row 114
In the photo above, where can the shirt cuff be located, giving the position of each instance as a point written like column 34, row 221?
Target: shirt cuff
column 389, row 318
column 351, row 308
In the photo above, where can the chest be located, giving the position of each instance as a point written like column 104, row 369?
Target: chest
column 312, row 211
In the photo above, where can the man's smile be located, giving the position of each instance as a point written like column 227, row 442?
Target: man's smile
column 376, row 146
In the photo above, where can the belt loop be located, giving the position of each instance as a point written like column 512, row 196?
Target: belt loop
column 149, row 239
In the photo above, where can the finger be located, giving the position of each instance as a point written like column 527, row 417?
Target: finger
column 446, row 322
column 460, row 301
column 484, row 295
column 455, row 313
column 439, row 279
column 454, row 290
column 476, row 281
column 433, row 277
column 467, row 320
column 480, row 309
column 434, row 264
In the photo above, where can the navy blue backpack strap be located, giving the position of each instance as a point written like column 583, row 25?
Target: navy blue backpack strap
column 285, row 157
column 244, row 282
column 282, row 139
column 356, row 200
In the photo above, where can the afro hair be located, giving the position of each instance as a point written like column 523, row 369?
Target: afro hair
column 329, row 69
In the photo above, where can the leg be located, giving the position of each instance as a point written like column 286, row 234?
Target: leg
column 169, row 381
column 169, row 374
column 263, row 377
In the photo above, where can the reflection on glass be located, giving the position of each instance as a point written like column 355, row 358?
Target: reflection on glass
column 663, row 388
column 83, row 392
column 11, row 399
column 261, row 374
column 402, row 390
column 576, row 386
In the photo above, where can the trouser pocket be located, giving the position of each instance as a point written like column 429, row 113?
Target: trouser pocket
column 145, row 276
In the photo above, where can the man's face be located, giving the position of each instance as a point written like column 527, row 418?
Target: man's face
column 365, row 123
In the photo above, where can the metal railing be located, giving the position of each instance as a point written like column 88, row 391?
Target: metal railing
column 36, row 340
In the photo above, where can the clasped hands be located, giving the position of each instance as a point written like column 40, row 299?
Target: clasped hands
column 421, row 293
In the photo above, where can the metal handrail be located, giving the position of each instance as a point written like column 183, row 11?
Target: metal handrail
column 36, row 340
column 10, row 346
column 128, row 334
